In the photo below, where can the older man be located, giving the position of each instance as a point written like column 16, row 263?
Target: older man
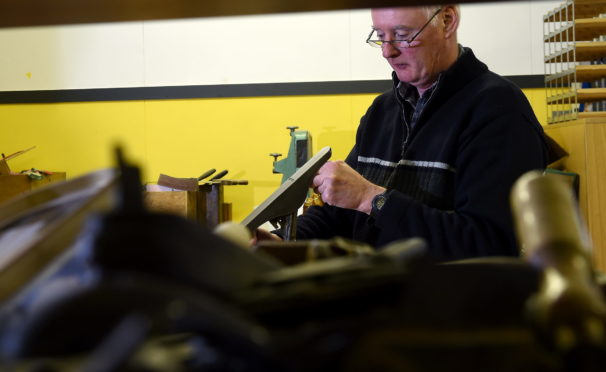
column 436, row 156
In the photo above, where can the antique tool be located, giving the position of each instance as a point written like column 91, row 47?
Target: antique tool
column 4, row 169
column 186, row 184
column 280, row 208
column 219, row 175
column 569, row 305
column 206, row 174
column 299, row 152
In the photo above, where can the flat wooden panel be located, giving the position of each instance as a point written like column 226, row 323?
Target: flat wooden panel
column 594, row 114
column 12, row 185
column 596, row 190
column 583, row 95
column 585, row 51
column 591, row 94
column 584, row 29
column 589, row 28
column 181, row 203
column 572, row 138
column 584, row 141
column 590, row 72
column 584, row 73
column 15, row 13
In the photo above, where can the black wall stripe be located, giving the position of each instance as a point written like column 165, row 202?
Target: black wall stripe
column 218, row 91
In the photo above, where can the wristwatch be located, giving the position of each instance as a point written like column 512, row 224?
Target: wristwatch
column 378, row 202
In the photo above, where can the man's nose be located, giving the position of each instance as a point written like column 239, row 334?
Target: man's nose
column 389, row 51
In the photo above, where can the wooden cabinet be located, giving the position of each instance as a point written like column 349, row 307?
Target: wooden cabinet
column 12, row 185
column 585, row 141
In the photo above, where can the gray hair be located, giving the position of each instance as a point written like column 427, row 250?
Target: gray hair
column 431, row 9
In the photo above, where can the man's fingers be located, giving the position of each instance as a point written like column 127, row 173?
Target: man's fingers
column 317, row 181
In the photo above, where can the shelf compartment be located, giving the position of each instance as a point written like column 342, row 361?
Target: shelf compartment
column 591, row 94
column 585, row 51
column 584, row 73
column 584, row 29
column 582, row 9
column 592, row 114
column 584, row 95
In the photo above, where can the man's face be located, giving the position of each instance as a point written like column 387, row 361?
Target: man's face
column 420, row 64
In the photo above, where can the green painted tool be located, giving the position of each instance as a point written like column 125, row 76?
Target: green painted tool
column 299, row 152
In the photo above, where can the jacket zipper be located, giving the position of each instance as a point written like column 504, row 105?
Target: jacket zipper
column 404, row 115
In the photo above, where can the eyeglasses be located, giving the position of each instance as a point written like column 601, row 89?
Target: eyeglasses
column 400, row 44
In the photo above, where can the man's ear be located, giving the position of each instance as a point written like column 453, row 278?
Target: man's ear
column 450, row 20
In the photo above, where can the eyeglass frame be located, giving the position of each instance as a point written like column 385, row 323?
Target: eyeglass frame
column 373, row 43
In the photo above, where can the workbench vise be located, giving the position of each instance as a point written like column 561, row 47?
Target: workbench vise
column 299, row 152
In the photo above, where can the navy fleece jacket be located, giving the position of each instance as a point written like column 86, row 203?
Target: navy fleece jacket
column 450, row 177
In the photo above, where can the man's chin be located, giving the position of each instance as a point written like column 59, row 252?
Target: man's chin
column 404, row 77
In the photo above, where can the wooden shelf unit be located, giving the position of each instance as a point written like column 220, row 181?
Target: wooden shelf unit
column 574, row 57
column 574, row 77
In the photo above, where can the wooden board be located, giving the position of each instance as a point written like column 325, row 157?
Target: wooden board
column 181, row 203
column 591, row 94
column 14, row 13
column 596, row 189
column 592, row 114
column 585, row 51
column 581, row 29
column 582, row 96
column 584, row 73
column 4, row 168
column 589, row 73
column 14, row 184
column 583, row 140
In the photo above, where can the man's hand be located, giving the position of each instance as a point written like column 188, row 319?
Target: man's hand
column 262, row 235
column 341, row 186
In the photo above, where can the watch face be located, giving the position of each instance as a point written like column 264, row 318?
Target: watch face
column 379, row 201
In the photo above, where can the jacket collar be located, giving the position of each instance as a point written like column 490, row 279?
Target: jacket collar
column 465, row 69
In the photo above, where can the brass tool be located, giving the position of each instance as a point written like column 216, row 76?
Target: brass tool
column 569, row 304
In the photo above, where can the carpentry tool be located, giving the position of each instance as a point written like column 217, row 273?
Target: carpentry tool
column 206, row 174
column 299, row 152
column 185, row 184
column 569, row 305
column 219, row 175
column 4, row 169
column 280, row 208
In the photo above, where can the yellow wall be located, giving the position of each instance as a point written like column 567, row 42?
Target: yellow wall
column 184, row 138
